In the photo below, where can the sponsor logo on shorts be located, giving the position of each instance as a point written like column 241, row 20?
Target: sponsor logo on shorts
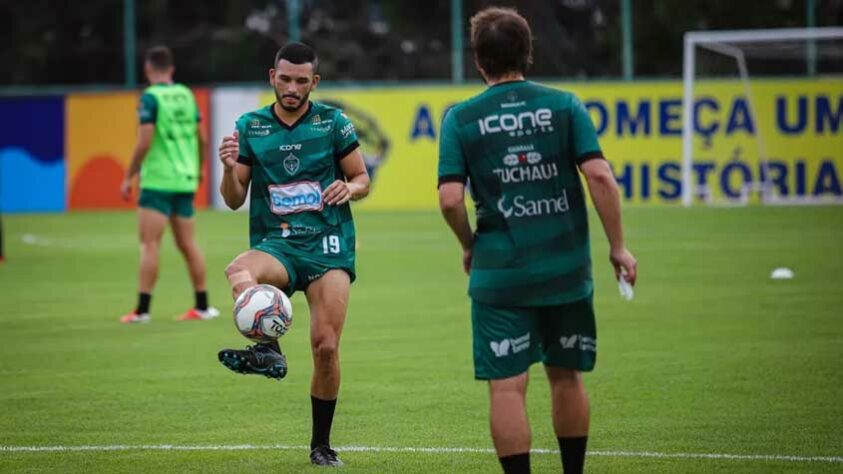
column 517, row 125
column 520, row 206
column 516, row 345
column 301, row 196
column 578, row 341
column 315, row 276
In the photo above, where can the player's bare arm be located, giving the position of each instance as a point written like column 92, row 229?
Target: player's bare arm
column 236, row 176
column 145, row 133
column 203, row 150
column 604, row 193
column 452, row 204
column 356, row 184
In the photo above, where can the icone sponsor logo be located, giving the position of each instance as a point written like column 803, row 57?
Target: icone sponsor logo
column 521, row 206
column 524, row 123
column 291, row 147
column 296, row 197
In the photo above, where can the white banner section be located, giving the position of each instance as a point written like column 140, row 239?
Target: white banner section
column 228, row 104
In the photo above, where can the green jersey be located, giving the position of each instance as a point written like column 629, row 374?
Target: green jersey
column 519, row 144
column 291, row 167
column 172, row 162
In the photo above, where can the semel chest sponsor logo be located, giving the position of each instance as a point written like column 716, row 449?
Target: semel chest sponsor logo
column 521, row 206
column 517, row 124
column 523, row 164
column 301, row 196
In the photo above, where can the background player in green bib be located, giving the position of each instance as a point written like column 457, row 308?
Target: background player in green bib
column 168, row 155
column 303, row 163
column 520, row 146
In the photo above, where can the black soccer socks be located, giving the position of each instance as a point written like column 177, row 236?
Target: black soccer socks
column 573, row 454
column 202, row 300
column 323, row 416
column 516, row 463
column 143, row 303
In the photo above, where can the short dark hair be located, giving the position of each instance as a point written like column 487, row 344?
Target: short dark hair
column 502, row 41
column 297, row 53
column 160, row 57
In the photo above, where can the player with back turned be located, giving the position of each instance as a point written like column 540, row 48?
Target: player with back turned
column 303, row 163
column 521, row 146
column 168, row 158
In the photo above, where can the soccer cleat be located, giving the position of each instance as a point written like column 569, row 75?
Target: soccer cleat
column 324, row 456
column 134, row 317
column 194, row 314
column 257, row 359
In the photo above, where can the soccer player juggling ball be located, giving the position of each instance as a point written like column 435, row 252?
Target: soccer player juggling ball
column 302, row 161
column 520, row 146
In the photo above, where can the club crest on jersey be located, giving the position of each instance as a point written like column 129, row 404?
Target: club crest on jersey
column 291, row 164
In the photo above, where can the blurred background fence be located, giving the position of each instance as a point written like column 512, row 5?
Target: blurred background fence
column 72, row 74
column 100, row 42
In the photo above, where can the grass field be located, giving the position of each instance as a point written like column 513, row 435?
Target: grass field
column 711, row 358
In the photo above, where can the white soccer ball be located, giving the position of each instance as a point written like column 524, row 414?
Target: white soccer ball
column 263, row 313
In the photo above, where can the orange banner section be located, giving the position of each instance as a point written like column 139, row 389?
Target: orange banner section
column 100, row 134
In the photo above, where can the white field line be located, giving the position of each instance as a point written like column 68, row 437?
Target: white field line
column 387, row 449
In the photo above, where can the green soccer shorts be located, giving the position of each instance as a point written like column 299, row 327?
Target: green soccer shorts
column 304, row 270
column 167, row 203
column 507, row 340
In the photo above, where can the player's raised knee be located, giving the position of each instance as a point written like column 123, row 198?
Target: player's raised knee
column 239, row 277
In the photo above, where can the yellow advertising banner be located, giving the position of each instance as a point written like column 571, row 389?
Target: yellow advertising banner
column 796, row 124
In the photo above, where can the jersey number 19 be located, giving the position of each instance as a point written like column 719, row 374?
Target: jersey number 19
column 330, row 244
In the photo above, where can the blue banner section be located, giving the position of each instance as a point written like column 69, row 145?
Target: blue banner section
column 32, row 165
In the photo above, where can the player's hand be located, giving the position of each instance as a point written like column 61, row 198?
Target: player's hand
column 466, row 260
column 229, row 150
column 126, row 189
column 337, row 193
column 625, row 263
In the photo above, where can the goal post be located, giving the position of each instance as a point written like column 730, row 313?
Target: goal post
column 798, row 48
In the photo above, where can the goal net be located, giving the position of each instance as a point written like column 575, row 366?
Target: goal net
column 763, row 117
